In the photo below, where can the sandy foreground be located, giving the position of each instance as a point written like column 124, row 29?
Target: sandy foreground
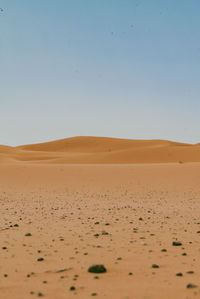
column 122, row 216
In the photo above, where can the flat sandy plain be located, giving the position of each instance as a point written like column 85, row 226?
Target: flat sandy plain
column 122, row 215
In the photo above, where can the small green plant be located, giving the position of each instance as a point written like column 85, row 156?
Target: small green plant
column 176, row 243
column 155, row 266
column 97, row 269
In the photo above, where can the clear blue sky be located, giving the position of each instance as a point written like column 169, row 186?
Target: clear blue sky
column 119, row 68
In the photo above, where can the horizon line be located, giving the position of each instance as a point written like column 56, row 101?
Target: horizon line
column 99, row 137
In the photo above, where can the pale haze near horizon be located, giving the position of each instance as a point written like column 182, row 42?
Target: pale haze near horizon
column 123, row 68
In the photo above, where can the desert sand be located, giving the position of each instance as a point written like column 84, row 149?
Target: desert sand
column 101, row 150
column 72, row 203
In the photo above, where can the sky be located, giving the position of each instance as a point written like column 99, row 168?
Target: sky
column 115, row 68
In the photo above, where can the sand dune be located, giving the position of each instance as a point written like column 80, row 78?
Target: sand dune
column 95, row 150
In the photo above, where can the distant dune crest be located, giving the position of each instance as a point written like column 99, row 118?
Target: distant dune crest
column 102, row 150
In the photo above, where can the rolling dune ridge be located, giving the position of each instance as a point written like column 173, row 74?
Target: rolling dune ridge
column 102, row 150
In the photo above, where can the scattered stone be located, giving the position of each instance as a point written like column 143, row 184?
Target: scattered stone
column 179, row 274
column 104, row 233
column 63, row 270
column 40, row 294
column 28, row 235
column 191, row 286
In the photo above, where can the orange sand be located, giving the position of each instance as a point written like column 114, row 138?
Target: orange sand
column 99, row 150
column 121, row 216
